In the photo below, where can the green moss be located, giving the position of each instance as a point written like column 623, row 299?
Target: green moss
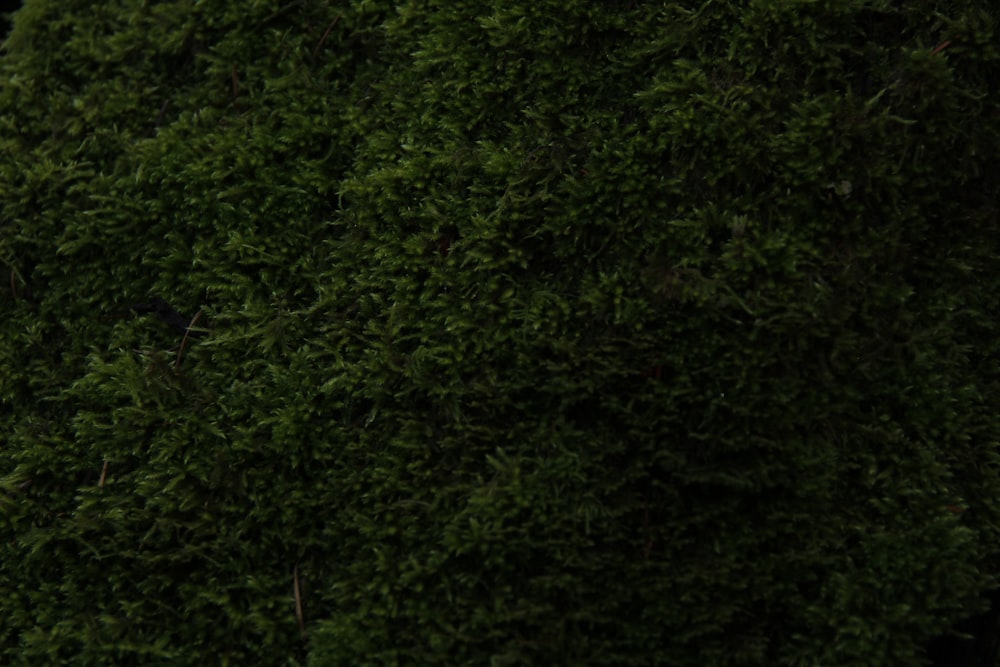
column 549, row 333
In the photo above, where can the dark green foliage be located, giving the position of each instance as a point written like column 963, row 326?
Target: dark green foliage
column 536, row 333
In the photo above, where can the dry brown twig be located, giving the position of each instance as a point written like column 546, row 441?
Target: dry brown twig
column 298, row 601
column 941, row 47
column 322, row 40
column 187, row 334
column 236, row 89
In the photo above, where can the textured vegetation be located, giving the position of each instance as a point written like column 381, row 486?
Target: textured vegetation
column 557, row 332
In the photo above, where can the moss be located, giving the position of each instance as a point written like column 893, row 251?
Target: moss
column 533, row 333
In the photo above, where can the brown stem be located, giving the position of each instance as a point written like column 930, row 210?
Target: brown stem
column 298, row 601
column 322, row 40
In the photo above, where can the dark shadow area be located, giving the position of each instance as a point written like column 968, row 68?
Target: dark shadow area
column 980, row 646
column 7, row 9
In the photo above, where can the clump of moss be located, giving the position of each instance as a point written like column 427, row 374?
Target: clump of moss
column 532, row 333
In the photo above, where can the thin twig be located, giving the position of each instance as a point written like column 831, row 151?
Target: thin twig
column 13, row 285
column 236, row 88
column 298, row 601
column 941, row 47
column 163, row 113
column 104, row 475
column 322, row 40
column 187, row 334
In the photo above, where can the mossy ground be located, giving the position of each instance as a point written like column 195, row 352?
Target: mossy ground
column 549, row 333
